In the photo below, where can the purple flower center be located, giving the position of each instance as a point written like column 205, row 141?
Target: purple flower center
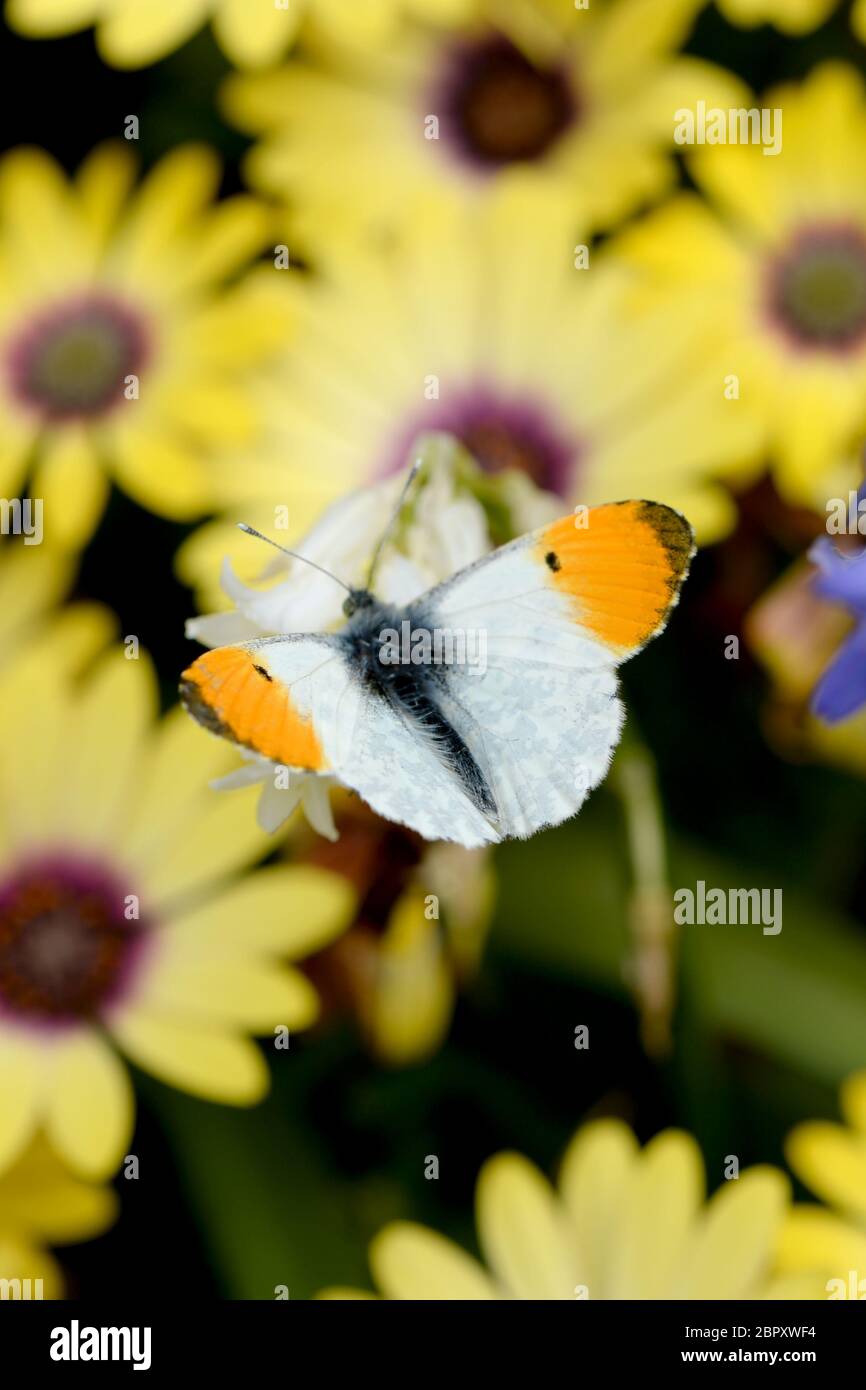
column 817, row 288
column 499, row 108
column 66, row 946
column 501, row 432
column 73, row 359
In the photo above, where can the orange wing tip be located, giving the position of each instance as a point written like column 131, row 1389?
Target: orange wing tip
column 231, row 692
column 624, row 568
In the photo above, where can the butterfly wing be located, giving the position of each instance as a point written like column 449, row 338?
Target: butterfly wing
column 559, row 609
column 298, row 701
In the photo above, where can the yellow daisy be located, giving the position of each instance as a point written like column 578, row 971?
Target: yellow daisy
column 133, row 33
column 582, row 98
column 479, row 325
column 831, row 1160
column 769, row 282
column 42, row 1204
column 624, row 1223
column 125, row 921
column 126, row 337
column 791, row 16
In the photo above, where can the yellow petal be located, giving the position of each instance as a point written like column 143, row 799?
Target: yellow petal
column 173, row 788
column 236, row 993
column 74, row 637
column 16, row 445
column 593, row 1183
column 73, row 488
column 160, row 470
column 733, row 1248
column 21, row 1090
column 34, row 700
column 40, row 1196
column 110, row 721
column 132, row 36
column 791, row 16
column 524, row 1232
column 32, row 578
column 90, row 1105
column 664, row 1196
column 40, row 227
column 43, row 17
column 287, row 910
column 832, row 1162
column 814, row 1238
column 255, row 32
column 244, row 324
column 234, row 232
column 411, row 1262
column 23, row 1260
column 211, row 846
column 169, row 202
column 104, row 183
column 212, row 412
column 205, row 1062
column 414, row 992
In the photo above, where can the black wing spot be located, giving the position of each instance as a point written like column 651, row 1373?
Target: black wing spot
column 553, row 560
column 262, row 672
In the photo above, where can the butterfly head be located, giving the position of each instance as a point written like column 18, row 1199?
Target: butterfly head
column 358, row 599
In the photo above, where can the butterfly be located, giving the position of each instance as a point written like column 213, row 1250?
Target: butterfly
column 484, row 710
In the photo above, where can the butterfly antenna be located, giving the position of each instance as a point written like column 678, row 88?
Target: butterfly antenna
column 251, row 531
column 413, row 473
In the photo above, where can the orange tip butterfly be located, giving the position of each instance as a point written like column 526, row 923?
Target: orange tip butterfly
column 485, row 709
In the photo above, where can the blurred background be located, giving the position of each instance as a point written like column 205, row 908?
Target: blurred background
column 729, row 1034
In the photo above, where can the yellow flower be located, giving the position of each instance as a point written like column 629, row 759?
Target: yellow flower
column 123, row 353
column 41, row 1204
column 422, row 919
column 479, row 325
column 624, row 1223
column 770, row 283
column 133, row 33
column 831, row 1160
column 125, row 922
column 791, row 16
column 584, row 99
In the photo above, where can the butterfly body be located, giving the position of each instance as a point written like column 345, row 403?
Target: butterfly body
column 469, row 752
column 412, row 689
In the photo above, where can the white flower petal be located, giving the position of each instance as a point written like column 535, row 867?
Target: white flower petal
column 276, row 804
column 317, row 805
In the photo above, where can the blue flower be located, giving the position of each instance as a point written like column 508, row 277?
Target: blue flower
column 842, row 579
